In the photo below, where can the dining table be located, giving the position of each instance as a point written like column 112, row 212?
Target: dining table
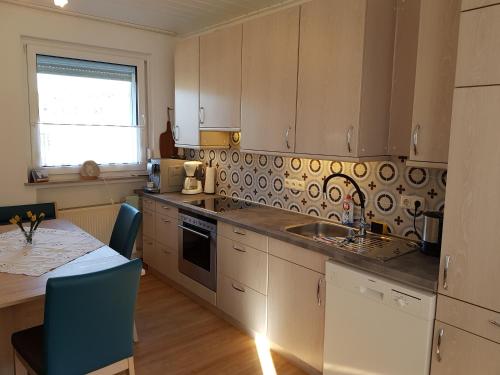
column 22, row 296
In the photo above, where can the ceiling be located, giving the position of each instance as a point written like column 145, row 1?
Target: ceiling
column 178, row 17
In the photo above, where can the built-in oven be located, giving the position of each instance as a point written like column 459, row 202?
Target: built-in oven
column 198, row 248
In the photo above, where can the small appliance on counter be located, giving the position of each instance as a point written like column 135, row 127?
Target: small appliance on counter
column 433, row 232
column 165, row 175
column 192, row 183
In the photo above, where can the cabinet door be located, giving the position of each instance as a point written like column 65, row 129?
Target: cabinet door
column 269, row 81
column 187, row 92
column 330, row 71
column 296, row 312
column 220, row 78
column 472, row 200
column 478, row 52
column 148, row 223
column 462, row 353
column 434, row 80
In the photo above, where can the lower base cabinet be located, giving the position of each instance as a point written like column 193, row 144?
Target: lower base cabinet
column 242, row 303
column 296, row 310
column 161, row 258
column 457, row 352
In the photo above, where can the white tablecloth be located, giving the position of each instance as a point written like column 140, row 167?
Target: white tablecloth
column 51, row 248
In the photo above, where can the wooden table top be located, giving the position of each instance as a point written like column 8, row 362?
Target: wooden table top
column 16, row 289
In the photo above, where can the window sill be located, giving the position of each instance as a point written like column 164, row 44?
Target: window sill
column 80, row 182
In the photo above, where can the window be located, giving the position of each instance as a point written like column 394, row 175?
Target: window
column 86, row 107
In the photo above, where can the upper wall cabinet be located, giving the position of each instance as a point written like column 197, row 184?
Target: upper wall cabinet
column 434, row 81
column 187, row 90
column 269, row 82
column 403, row 76
column 220, row 79
column 478, row 52
column 187, row 99
column 471, row 4
column 344, row 80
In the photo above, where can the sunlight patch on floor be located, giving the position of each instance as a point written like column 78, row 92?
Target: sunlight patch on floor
column 264, row 353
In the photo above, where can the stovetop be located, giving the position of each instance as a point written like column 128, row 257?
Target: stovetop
column 222, row 204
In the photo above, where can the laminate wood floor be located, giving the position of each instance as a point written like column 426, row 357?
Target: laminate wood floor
column 178, row 336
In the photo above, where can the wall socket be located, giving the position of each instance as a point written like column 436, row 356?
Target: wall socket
column 293, row 184
column 408, row 201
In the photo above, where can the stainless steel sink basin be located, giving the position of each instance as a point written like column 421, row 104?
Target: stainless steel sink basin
column 375, row 246
column 320, row 229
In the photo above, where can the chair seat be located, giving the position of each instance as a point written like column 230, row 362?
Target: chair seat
column 29, row 345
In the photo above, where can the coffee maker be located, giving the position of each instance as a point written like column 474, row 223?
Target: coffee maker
column 192, row 184
column 433, row 232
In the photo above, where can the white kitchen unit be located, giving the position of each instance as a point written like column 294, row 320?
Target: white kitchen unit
column 375, row 326
column 242, row 276
column 344, row 80
column 296, row 298
column 187, row 99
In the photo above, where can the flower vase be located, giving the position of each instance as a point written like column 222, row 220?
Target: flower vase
column 29, row 237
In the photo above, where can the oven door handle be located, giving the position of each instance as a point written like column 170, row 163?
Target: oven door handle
column 194, row 232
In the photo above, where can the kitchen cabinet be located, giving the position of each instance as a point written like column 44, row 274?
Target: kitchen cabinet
column 469, row 255
column 242, row 303
column 344, row 79
column 434, row 82
column 187, row 99
column 478, row 52
column 471, row 4
column 242, row 273
column 403, row 80
column 160, row 240
column 457, row 352
column 269, row 82
column 296, row 311
column 220, row 79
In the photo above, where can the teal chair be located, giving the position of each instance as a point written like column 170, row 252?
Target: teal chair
column 87, row 325
column 7, row 212
column 125, row 230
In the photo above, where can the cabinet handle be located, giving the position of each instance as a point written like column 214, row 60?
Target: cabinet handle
column 438, row 346
column 202, row 115
column 415, row 138
column 166, row 251
column 349, row 138
column 165, row 207
column 176, row 133
column 238, row 289
column 239, row 249
column 496, row 323
column 318, row 291
column 447, row 259
column 238, row 231
column 286, row 137
column 194, row 232
column 166, row 221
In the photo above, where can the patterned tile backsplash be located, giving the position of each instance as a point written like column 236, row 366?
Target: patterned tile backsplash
column 261, row 178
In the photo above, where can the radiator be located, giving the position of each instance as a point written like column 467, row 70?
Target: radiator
column 96, row 220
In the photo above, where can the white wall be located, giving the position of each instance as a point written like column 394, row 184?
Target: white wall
column 15, row 148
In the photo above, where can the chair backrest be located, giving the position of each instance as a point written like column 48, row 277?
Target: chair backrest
column 125, row 230
column 89, row 319
column 7, row 212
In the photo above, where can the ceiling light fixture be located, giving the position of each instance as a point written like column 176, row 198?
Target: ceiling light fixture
column 60, row 3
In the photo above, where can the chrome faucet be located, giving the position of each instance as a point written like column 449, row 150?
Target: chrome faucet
column 362, row 221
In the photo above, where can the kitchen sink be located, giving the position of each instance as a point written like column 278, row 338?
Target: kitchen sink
column 380, row 247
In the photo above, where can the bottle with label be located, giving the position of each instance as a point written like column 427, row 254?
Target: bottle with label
column 348, row 210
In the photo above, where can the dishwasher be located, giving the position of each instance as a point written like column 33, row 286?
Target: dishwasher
column 374, row 326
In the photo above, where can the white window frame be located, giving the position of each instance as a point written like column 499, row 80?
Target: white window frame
column 140, row 61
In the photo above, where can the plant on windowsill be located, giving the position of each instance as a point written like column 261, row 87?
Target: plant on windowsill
column 34, row 223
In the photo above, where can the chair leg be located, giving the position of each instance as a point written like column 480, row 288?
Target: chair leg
column 136, row 336
column 19, row 368
column 131, row 368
